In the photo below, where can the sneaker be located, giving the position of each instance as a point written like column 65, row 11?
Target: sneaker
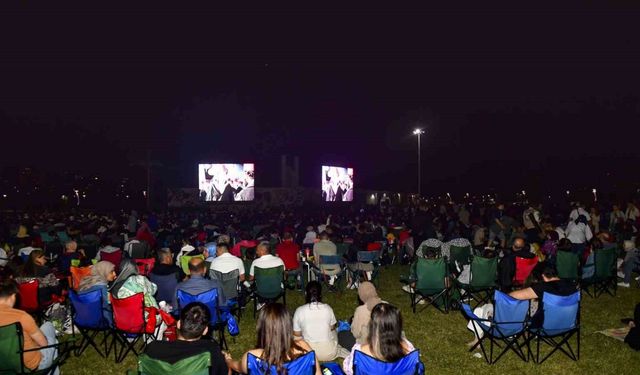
column 407, row 288
column 621, row 274
column 624, row 285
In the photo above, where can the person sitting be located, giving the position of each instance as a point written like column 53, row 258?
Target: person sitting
column 225, row 262
column 71, row 252
column 316, row 323
column 102, row 273
column 631, row 261
column 129, row 283
column 192, row 326
column 33, row 337
column 368, row 296
column 106, row 248
column 35, row 268
column 507, row 265
column 289, row 252
column 166, row 275
column 196, row 283
column 264, row 260
column 385, row 340
column 325, row 247
column 246, row 241
column 275, row 344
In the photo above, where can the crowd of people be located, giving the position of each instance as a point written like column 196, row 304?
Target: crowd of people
column 46, row 246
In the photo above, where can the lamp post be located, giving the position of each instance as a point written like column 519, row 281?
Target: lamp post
column 419, row 132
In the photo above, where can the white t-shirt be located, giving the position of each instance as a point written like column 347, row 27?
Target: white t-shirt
column 226, row 263
column 266, row 261
column 3, row 257
column 26, row 251
column 314, row 320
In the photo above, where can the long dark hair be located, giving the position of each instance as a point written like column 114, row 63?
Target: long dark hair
column 385, row 332
column 313, row 292
column 275, row 336
column 29, row 269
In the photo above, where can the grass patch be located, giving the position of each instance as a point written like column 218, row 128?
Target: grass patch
column 441, row 337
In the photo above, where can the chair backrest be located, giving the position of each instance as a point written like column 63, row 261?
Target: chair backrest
column 137, row 249
column 303, row 365
column 342, row 248
column 560, row 312
column 524, row 266
column 114, row 257
column 46, row 237
column 567, row 264
column 330, row 259
column 209, row 298
column 195, row 365
column 483, row 272
column 77, row 274
column 166, row 286
column 229, row 282
column 410, row 364
column 145, row 265
column 374, row 246
column 269, row 281
column 460, row 254
column 510, row 314
column 128, row 313
column 184, row 262
column 430, row 274
column 10, row 348
column 605, row 261
column 368, row 256
column 63, row 236
column 29, row 295
column 87, row 309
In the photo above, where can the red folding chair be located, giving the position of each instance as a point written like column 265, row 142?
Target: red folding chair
column 29, row 300
column 374, row 246
column 115, row 257
column 524, row 266
column 130, row 325
column 145, row 265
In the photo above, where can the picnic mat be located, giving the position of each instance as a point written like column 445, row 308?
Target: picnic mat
column 616, row 333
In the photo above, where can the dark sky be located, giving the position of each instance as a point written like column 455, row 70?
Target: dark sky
column 508, row 97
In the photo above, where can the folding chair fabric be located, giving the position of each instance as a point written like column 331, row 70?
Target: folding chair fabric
column 410, row 364
column 303, row 365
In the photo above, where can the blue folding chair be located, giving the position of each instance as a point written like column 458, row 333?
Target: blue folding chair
column 90, row 318
column 507, row 326
column 210, row 299
column 166, row 286
column 410, row 364
column 561, row 322
column 303, row 365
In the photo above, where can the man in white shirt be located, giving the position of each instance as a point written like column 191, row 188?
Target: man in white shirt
column 264, row 260
column 226, row 262
column 579, row 210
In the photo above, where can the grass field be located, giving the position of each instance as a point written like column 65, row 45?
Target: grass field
column 441, row 337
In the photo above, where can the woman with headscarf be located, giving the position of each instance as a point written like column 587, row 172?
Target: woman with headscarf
column 102, row 273
column 369, row 297
column 129, row 282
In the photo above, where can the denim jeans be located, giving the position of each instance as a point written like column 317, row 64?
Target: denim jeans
column 49, row 354
column 631, row 261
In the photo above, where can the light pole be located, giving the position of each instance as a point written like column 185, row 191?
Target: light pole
column 419, row 132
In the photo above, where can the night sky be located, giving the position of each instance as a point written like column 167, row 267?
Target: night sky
column 509, row 98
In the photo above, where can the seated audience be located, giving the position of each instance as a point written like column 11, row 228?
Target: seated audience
column 196, row 283
column 289, row 252
column 631, row 261
column 507, row 265
column 264, row 260
column 102, row 273
column 71, row 252
column 368, row 296
column 225, row 262
column 35, row 268
column 166, row 275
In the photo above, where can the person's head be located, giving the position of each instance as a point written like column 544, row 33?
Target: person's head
column 385, row 332
column 262, row 248
column 274, row 330
column 324, row 235
column 518, row 244
column 549, row 274
column 313, row 292
column 222, row 248
column 565, row 245
column 165, row 256
column 8, row 292
column 287, row 236
column 194, row 321
column 368, row 294
column 500, row 206
column 223, row 238
column 628, row 245
column 36, row 259
column 103, row 273
column 71, row 246
column 196, row 266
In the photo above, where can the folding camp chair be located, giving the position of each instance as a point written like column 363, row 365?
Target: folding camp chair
column 359, row 272
column 29, row 300
column 210, row 299
column 63, row 237
column 484, row 272
column 303, row 365
column 342, row 248
column 506, row 327
column 137, row 249
column 460, row 255
column 12, row 350
column 130, row 325
column 332, row 262
column 198, row 364
column 230, row 282
column 567, row 264
column 88, row 316
column 269, row 287
column 114, row 257
column 561, row 322
column 166, row 286
column 410, row 364
column 145, row 266
column 524, row 266
column 77, row 274
column 431, row 287
column 184, row 262
column 604, row 277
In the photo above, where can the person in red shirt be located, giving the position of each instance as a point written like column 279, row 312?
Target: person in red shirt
column 289, row 252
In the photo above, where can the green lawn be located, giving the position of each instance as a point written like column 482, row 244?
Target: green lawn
column 441, row 338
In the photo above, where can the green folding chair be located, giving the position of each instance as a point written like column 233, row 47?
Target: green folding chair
column 342, row 248
column 484, row 272
column 460, row 254
column 12, row 350
column 184, row 262
column 269, row 286
column 567, row 264
column 198, row 364
column 604, row 278
column 430, row 284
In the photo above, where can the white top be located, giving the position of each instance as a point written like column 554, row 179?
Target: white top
column 3, row 258
column 266, row 261
column 632, row 213
column 26, row 251
column 314, row 320
column 186, row 249
column 226, row 263
column 577, row 212
column 578, row 233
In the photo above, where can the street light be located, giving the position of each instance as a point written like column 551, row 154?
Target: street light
column 419, row 132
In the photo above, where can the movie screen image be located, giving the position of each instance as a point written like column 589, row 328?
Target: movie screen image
column 226, row 182
column 337, row 184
